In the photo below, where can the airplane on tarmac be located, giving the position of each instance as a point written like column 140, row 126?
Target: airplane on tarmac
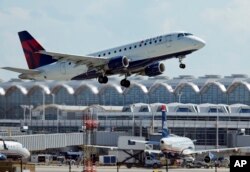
column 12, row 149
column 176, row 147
column 142, row 58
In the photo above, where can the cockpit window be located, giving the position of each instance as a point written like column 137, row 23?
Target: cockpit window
column 180, row 35
column 187, row 34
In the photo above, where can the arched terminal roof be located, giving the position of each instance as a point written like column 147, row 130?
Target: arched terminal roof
column 2, row 91
column 165, row 85
column 142, row 87
column 236, row 84
column 91, row 87
column 183, row 84
column 69, row 89
column 21, row 88
column 45, row 88
column 111, row 85
column 218, row 84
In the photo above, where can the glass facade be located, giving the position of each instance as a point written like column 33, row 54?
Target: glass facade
column 187, row 94
column 110, row 95
column 85, row 96
column 213, row 94
column 161, row 93
column 135, row 94
column 63, row 96
column 14, row 99
column 240, row 94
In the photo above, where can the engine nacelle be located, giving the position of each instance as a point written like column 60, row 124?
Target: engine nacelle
column 155, row 69
column 118, row 62
column 210, row 157
column 207, row 159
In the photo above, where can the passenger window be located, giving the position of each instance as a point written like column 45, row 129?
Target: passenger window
column 150, row 42
column 125, row 49
column 135, row 46
column 130, row 48
column 99, row 55
column 109, row 53
column 159, row 40
column 155, row 41
column 104, row 54
column 145, row 43
column 115, row 51
column 140, row 45
column 120, row 50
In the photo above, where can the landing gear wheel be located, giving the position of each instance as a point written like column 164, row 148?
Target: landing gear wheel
column 102, row 79
column 182, row 66
column 125, row 83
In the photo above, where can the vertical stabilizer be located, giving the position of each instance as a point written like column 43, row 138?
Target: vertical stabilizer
column 165, row 131
column 30, row 48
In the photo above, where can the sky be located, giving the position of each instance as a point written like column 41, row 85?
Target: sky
column 82, row 27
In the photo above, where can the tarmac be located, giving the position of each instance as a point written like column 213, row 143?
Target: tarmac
column 123, row 169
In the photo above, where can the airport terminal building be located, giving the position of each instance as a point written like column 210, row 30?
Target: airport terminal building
column 197, row 107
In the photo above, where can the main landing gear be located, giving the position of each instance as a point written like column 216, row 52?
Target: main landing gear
column 104, row 80
column 125, row 83
column 182, row 65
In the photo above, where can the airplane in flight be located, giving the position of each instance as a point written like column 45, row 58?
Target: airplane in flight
column 12, row 149
column 177, row 147
column 141, row 58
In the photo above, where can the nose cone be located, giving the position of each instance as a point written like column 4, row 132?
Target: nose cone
column 26, row 153
column 199, row 43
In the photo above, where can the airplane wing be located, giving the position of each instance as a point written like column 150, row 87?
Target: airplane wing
column 104, row 147
column 153, row 151
column 146, row 142
column 90, row 61
column 191, row 152
column 24, row 71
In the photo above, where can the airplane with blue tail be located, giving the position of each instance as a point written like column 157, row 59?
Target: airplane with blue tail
column 179, row 147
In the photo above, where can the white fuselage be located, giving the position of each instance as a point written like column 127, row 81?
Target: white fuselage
column 165, row 45
column 176, row 144
column 14, row 149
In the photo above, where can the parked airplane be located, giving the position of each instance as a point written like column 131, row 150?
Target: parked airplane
column 141, row 58
column 12, row 149
column 179, row 147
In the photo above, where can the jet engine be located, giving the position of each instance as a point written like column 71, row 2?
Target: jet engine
column 118, row 62
column 155, row 69
column 210, row 157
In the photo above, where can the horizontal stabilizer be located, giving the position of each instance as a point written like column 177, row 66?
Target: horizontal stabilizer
column 23, row 71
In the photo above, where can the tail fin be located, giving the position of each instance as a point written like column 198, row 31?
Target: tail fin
column 165, row 131
column 30, row 47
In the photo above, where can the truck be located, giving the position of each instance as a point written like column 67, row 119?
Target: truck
column 151, row 161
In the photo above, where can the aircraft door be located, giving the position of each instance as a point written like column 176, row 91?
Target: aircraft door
column 63, row 68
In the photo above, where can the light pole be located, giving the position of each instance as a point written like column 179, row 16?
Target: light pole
column 153, row 119
column 43, row 105
column 30, row 107
column 24, row 111
column 57, row 117
column 53, row 98
column 217, row 129
column 179, row 95
column 133, row 126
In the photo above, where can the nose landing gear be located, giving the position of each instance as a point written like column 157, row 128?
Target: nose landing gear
column 182, row 65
